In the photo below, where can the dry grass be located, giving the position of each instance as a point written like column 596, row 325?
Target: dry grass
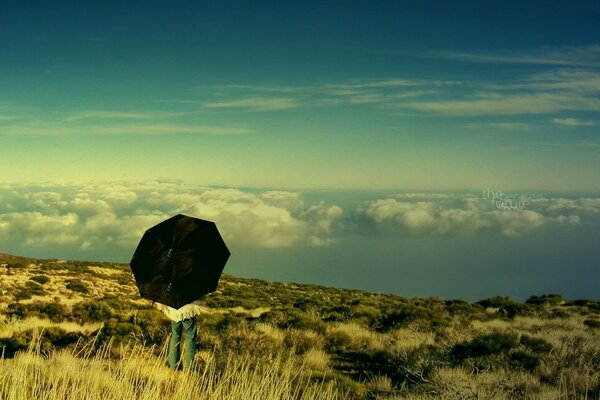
column 317, row 359
column 78, row 375
column 8, row 328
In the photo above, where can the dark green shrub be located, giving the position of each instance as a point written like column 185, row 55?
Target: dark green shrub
column 535, row 344
column 29, row 290
column 408, row 314
column 302, row 320
column 592, row 323
column 9, row 346
column 366, row 314
column 551, row 299
column 119, row 331
column 153, row 325
column 53, row 311
column 525, row 360
column 223, row 302
column 338, row 314
column 497, row 302
column 77, row 286
column 300, row 341
column 18, row 263
column 125, row 278
column 228, row 322
column 58, row 337
column 50, row 338
column 338, row 342
column 493, row 343
column 41, row 279
column 91, row 311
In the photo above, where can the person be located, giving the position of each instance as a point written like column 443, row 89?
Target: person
column 183, row 320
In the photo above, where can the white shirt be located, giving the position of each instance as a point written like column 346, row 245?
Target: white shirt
column 190, row 310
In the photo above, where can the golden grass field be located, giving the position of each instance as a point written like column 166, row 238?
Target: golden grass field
column 265, row 340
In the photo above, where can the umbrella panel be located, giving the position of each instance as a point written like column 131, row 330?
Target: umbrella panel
column 180, row 267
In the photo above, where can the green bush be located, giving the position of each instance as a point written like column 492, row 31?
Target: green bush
column 408, row 314
column 77, row 285
column 535, row 344
column 119, row 331
column 300, row 341
column 153, row 325
column 493, row 343
column 551, row 299
column 91, row 311
column 50, row 338
column 525, row 360
column 592, row 323
column 497, row 302
column 338, row 342
column 302, row 320
column 41, row 279
column 29, row 290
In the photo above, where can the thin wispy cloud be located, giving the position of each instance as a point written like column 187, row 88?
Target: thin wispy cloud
column 356, row 92
column 109, row 115
column 571, row 122
column 510, row 104
column 49, row 129
column 498, row 125
column 578, row 56
column 256, row 104
column 561, row 90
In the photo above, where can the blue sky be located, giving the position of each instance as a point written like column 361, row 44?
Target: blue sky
column 337, row 104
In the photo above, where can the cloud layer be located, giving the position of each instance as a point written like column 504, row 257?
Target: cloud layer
column 99, row 218
column 441, row 214
column 100, row 215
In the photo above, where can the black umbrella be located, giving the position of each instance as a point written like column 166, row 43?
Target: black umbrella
column 179, row 260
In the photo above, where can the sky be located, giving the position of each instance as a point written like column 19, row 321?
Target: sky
column 354, row 144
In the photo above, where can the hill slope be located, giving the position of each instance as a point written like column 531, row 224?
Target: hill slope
column 350, row 342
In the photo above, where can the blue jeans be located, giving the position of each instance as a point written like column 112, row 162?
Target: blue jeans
column 189, row 327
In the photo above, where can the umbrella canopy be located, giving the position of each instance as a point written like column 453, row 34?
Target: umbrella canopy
column 179, row 260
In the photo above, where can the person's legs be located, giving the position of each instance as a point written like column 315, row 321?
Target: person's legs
column 175, row 344
column 189, row 325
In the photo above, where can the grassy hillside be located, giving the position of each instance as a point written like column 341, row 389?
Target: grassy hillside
column 80, row 330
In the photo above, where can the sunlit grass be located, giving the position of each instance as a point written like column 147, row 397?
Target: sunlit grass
column 139, row 374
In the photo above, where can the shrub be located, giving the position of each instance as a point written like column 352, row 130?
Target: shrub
column 41, row 279
column 9, row 346
column 301, row 341
column 153, row 325
column 552, row 299
column 592, row 323
column 302, row 320
column 412, row 313
column 91, row 311
column 77, row 286
column 497, row 302
column 52, row 337
column 29, row 290
column 338, row 342
column 119, row 331
column 535, row 344
column 525, row 360
column 493, row 343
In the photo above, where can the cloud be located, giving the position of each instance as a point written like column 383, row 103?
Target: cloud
column 109, row 115
column 50, row 129
column 106, row 216
column 499, row 125
column 510, row 104
column 571, row 122
column 256, row 104
column 580, row 56
column 450, row 214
